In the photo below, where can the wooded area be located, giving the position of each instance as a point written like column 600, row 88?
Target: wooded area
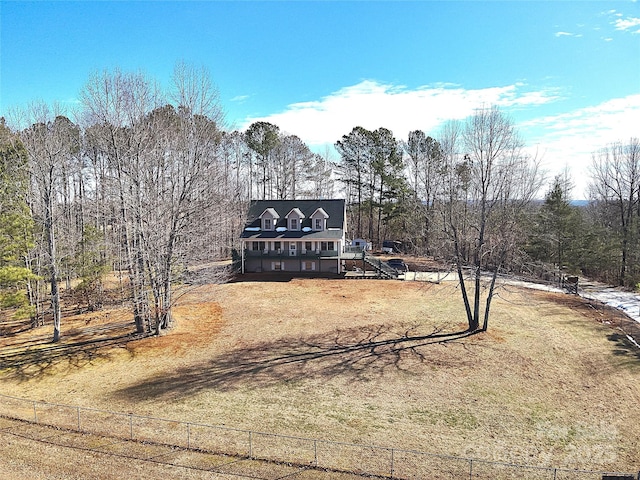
column 148, row 182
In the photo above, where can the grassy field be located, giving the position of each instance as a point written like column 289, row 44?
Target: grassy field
column 554, row 382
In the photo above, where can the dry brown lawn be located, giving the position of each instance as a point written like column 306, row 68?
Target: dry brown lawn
column 554, row 382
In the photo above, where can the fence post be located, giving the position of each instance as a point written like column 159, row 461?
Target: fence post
column 131, row 426
column 35, row 413
column 189, row 436
column 555, row 473
column 392, row 463
column 315, row 452
column 79, row 419
column 250, row 444
column 470, row 468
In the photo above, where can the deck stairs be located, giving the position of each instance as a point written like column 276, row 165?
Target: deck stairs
column 382, row 268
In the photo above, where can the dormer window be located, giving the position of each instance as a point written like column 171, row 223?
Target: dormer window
column 269, row 218
column 294, row 219
column 319, row 220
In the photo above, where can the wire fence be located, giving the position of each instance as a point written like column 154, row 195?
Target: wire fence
column 362, row 460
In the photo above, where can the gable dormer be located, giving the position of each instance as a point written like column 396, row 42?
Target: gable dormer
column 268, row 219
column 294, row 219
column 319, row 220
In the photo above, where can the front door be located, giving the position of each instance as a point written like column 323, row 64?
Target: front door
column 292, row 249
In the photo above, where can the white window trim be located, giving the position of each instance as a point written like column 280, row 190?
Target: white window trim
column 304, row 266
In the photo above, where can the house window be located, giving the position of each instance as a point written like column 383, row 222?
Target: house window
column 307, row 246
column 327, row 245
column 294, row 224
column 277, row 246
column 317, row 223
column 267, row 224
column 277, row 266
column 308, row 266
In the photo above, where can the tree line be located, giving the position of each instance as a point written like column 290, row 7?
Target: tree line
column 143, row 181
column 147, row 182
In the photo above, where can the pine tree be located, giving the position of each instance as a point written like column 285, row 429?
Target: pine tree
column 555, row 233
column 16, row 225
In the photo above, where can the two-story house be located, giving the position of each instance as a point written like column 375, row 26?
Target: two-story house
column 294, row 236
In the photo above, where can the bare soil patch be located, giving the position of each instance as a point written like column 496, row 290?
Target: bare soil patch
column 554, row 382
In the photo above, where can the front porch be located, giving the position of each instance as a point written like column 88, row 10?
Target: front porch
column 292, row 256
column 280, row 253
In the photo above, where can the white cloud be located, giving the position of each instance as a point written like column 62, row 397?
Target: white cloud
column 371, row 104
column 239, row 98
column 629, row 23
column 570, row 139
column 563, row 140
column 568, row 34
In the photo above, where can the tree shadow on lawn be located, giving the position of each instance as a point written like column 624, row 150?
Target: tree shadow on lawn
column 625, row 350
column 36, row 357
column 357, row 354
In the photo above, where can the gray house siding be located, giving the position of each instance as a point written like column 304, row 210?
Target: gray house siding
column 294, row 236
column 296, row 265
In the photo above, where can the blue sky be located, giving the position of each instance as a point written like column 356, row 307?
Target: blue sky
column 568, row 72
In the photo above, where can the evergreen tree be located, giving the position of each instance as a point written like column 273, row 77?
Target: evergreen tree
column 354, row 150
column 263, row 138
column 16, row 225
column 555, row 236
column 91, row 266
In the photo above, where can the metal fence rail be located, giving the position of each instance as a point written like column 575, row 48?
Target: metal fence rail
column 365, row 460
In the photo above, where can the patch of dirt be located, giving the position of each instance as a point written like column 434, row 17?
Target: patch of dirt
column 194, row 327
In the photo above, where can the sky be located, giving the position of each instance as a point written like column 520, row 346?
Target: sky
column 566, row 72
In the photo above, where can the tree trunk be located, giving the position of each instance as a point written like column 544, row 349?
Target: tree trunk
column 53, row 277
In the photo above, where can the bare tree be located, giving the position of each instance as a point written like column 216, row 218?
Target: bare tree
column 177, row 172
column 320, row 176
column 616, row 185
column 194, row 91
column 488, row 190
column 425, row 172
column 51, row 141
column 292, row 161
column 161, row 158
column 115, row 104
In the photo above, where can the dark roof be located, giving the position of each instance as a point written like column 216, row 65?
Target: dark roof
column 334, row 208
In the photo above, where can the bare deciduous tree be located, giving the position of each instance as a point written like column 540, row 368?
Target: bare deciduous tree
column 488, row 189
column 115, row 104
column 163, row 160
column 616, row 184
column 425, row 172
column 51, row 141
